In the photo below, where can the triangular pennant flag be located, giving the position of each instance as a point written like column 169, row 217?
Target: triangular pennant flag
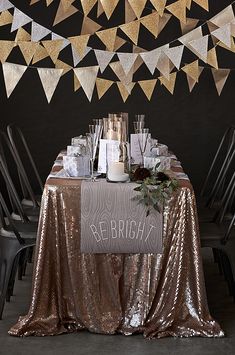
column 178, row 9
column 127, row 60
column 189, row 25
column 191, row 36
column 163, row 22
column 188, row 4
column 223, row 34
column 56, row 36
column 28, row 50
column 89, row 26
column 53, row 48
column 49, row 2
column 62, row 14
column 200, row 47
column 80, row 43
column 175, row 55
column 109, row 6
column 61, row 65
column 203, row 3
column 108, row 37
column 124, row 91
column 12, row 74
column 119, row 72
column 148, row 86
column 151, row 22
column 65, row 3
column 100, row 9
column 163, row 65
column 137, row 6
column 102, row 86
column 40, row 54
column 151, row 58
column 22, row 35
column 169, row 84
column 5, row 18
column 119, row 42
column 129, row 13
column 103, row 58
column 76, row 58
column 19, row 19
column 212, row 58
column 232, row 49
column 87, row 5
column 49, row 79
column 191, row 81
column 223, row 17
column 192, row 70
column 159, row 5
column 38, row 32
column 87, row 78
column 6, row 48
column 5, row 5
column 131, row 30
column 76, row 83
column 220, row 77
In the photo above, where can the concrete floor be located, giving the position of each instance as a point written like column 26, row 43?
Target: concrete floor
column 84, row 343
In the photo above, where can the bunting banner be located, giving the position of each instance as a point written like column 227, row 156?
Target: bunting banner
column 12, row 74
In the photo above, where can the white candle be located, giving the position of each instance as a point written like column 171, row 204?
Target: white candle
column 116, row 172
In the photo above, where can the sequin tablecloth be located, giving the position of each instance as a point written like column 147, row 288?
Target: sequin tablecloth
column 156, row 295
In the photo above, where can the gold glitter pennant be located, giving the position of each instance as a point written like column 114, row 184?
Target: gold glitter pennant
column 163, row 21
column 192, row 70
column 119, row 42
column 212, row 58
column 203, row 3
column 102, row 86
column 191, row 81
column 62, row 14
column 188, row 4
column 5, row 18
column 151, row 22
column 28, row 50
column 159, row 5
column 49, row 2
column 220, row 77
column 87, row 5
column 100, row 9
column 129, row 13
column 53, row 48
column 137, row 6
column 6, row 48
column 109, row 6
column 178, row 9
column 148, row 87
column 89, row 26
column 79, row 43
column 190, row 24
column 169, row 84
column 66, row 3
column 76, row 83
column 59, row 64
column 22, row 35
column 108, row 37
column 124, row 91
column 40, row 54
column 131, row 30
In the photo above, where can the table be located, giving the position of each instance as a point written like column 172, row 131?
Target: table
column 156, row 295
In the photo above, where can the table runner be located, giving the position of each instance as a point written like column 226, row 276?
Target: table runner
column 156, row 295
column 112, row 222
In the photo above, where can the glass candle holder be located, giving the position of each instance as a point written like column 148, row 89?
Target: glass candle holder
column 116, row 127
column 118, row 162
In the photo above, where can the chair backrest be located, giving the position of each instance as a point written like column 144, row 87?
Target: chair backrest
column 214, row 180
column 7, row 148
column 19, row 144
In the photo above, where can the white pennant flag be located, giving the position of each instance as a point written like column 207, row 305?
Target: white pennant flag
column 38, row 32
column 49, row 79
column 103, row 58
column 127, row 60
column 19, row 19
column 223, row 34
column 175, row 55
column 223, row 17
column 87, row 78
column 151, row 58
column 191, row 36
column 76, row 57
column 200, row 47
column 55, row 36
column 5, row 5
column 12, row 74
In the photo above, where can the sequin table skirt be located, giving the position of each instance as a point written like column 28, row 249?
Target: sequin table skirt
column 156, row 295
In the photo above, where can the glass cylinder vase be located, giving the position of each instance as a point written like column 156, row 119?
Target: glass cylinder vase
column 118, row 162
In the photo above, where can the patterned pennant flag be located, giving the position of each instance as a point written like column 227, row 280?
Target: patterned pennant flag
column 12, row 74
column 87, row 78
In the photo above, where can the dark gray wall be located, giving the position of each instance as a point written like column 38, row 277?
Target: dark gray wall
column 191, row 124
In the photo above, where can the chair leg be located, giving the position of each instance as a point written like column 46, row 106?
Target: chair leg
column 6, row 270
column 228, row 273
column 230, row 254
column 12, row 279
column 30, row 257
column 22, row 262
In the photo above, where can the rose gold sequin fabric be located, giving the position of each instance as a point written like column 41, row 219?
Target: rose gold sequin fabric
column 157, row 295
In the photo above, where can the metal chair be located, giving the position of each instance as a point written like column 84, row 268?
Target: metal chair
column 15, row 237
column 20, row 147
